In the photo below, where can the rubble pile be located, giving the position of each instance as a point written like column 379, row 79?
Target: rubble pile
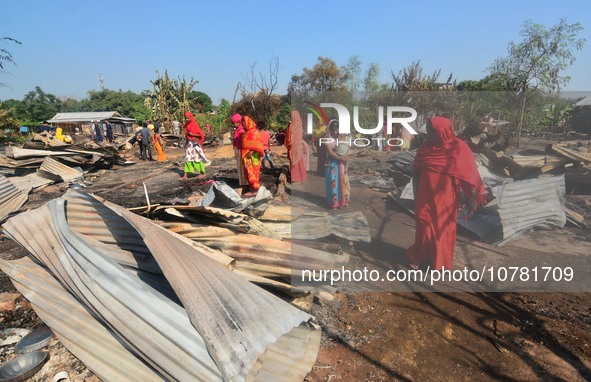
column 529, row 189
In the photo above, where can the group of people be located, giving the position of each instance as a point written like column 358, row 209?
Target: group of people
column 445, row 175
column 146, row 138
column 445, row 178
column 102, row 129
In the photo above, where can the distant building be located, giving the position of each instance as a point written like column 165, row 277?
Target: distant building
column 581, row 120
column 83, row 120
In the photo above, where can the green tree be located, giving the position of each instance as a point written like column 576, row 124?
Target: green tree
column 370, row 80
column 126, row 103
column 352, row 72
column 7, row 121
column 37, row 106
column 322, row 77
column 537, row 62
column 200, row 100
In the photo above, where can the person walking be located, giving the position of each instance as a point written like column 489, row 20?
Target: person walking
column 193, row 153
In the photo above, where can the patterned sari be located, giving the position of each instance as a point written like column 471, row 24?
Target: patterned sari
column 252, row 152
column 337, row 181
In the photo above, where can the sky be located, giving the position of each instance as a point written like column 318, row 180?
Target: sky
column 66, row 44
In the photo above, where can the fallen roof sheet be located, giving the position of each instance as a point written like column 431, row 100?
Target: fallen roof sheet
column 518, row 207
column 155, row 327
column 54, row 170
column 221, row 217
column 98, row 347
column 351, row 226
column 18, row 153
column 11, row 198
column 239, row 335
column 250, row 332
column 29, row 182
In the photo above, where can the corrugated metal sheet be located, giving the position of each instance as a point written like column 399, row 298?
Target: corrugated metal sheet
column 88, row 116
column 223, row 218
column 351, row 226
column 155, row 327
column 525, row 204
column 52, row 169
column 11, row 198
column 18, row 153
column 238, row 320
column 99, row 348
column 275, row 253
column 120, row 240
column 584, row 102
column 250, row 332
column 518, row 207
column 29, row 182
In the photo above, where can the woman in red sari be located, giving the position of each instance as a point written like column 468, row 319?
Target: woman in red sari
column 194, row 157
column 445, row 170
column 252, row 152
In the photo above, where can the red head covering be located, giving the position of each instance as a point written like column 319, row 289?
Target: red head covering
column 251, row 140
column 451, row 156
column 192, row 129
column 239, row 132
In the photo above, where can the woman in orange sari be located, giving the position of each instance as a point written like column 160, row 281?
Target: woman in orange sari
column 252, row 152
column 446, row 172
column 159, row 146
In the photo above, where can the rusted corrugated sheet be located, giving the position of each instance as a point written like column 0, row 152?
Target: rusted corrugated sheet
column 99, row 348
column 11, row 198
column 121, row 241
column 238, row 320
column 52, row 169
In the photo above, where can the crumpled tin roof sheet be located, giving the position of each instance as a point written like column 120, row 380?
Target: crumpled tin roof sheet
column 155, row 327
column 518, row 207
column 52, row 169
column 11, row 198
column 18, row 153
column 251, row 319
column 243, row 326
column 29, row 182
column 351, row 226
column 98, row 347
column 223, row 218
